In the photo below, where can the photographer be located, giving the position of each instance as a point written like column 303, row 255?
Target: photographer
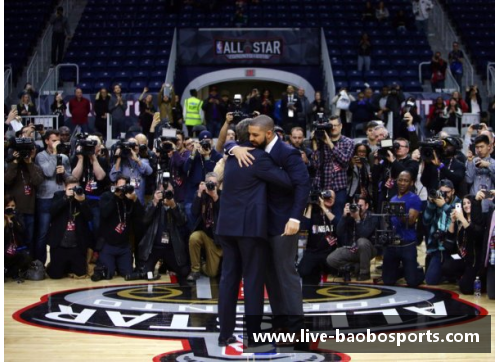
column 120, row 213
column 22, row 176
column 480, row 170
column 437, row 216
column 389, row 101
column 410, row 120
column 201, row 161
column 358, row 173
column 152, row 157
column 389, row 162
column 297, row 138
column 16, row 254
column 356, row 230
column 69, row 235
column 467, row 232
column 91, row 171
column 330, row 161
column 322, row 239
column 128, row 163
column 440, row 162
column 404, row 246
column 205, row 209
column 55, row 168
column 163, row 239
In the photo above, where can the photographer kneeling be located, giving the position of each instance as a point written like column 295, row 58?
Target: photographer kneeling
column 356, row 229
column 322, row 237
column 69, row 233
column 119, row 211
column 437, row 216
column 163, row 239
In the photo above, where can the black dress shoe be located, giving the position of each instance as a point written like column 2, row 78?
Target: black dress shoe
column 223, row 342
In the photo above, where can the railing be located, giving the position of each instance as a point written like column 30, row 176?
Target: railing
column 59, row 66
column 420, row 71
column 7, row 81
column 48, row 86
column 49, row 120
column 447, row 35
column 490, row 78
column 172, row 61
column 450, row 84
column 330, row 90
column 33, row 71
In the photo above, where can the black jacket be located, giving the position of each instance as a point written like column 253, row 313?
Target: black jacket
column 59, row 217
column 158, row 215
column 364, row 229
column 453, row 170
column 198, row 209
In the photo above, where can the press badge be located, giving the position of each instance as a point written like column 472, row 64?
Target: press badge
column 165, row 239
column 135, row 182
column 70, row 226
column 27, row 190
column 456, row 256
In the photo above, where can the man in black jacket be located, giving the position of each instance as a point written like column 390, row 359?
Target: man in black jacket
column 163, row 239
column 206, row 211
column 356, row 230
column 119, row 211
column 69, row 233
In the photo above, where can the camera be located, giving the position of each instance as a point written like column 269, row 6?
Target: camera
column 320, row 129
column 63, row 148
column 237, row 100
column 353, row 208
column 386, row 237
column 211, row 186
column 206, row 145
column 408, row 106
column 438, row 239
column 326, row 194
column 9, row 211
column 428, row 147
column 314, row 196
column 100, row 273
column 126, row 189
column 87, row 146
column 435, row 194
column 477, row 127
column 141, row 274
column 168, row 194
column 124, row 147
column 78, row 190
column 385, row 146
column 23, row 146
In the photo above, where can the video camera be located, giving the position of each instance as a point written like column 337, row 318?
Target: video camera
column 385, row 146
column 315, row 194
column 321, row 127
column 237, row 113
column 24, row 146
column 395, row 208
column 124, row 147
column 385, row 238
column 87, row 146
column 125, row 189
column 428, row 147
column 63, row 148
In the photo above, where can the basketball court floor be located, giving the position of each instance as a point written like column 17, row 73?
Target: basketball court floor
column 115, row 320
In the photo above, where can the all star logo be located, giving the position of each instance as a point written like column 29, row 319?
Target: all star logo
column 168, row 311
column 248, row 49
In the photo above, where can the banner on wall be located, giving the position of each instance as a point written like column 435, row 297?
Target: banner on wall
column 254, row 46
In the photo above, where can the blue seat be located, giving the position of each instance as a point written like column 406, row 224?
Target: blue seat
column 356, row 84
column 138, row 85
column 101, row 84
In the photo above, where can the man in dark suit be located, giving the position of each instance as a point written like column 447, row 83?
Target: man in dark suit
column 285, row 209
column 242, row 229
column 290, row 108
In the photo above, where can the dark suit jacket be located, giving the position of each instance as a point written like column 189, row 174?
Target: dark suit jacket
column 59, row 217
column 244, row 199
column 284, row 107
column 285, row 204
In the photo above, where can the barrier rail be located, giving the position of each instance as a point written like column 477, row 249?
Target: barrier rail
column 490, row 78
column 7, row 81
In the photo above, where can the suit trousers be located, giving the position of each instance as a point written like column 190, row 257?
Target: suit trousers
column 283, row 284
column 243, row 257
column 213, row 254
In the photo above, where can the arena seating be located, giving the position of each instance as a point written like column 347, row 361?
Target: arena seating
column 475, row 23
column 129, row 41
column 24, row 23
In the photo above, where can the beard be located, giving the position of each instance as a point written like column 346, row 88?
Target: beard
column 261, row 146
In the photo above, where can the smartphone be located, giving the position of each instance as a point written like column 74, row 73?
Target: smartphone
column 38, row 127
column 458, row 207
column 13, row 107
column 487, row 194
column 477, row 127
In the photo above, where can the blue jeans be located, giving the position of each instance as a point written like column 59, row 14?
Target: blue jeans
column 190, row 218
column 29, row 231
column 433, row 274
column 393, row 256
column 43, row 220
column 364, row 59
column 340, row 201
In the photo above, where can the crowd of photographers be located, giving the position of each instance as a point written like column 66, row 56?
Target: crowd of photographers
column 148, row 199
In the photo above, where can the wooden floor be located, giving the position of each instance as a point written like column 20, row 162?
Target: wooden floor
column 29, row 343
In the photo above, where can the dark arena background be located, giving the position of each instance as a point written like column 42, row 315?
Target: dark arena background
column 153, row 89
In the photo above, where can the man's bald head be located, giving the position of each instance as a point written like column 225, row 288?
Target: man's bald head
column 264, row 122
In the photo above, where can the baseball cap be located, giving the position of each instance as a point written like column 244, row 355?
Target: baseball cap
column 204, row 135
column 446, row 183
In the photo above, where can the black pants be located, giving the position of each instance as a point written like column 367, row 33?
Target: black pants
column 312, row 265
column 168, row 257
column 490, row 281
column 16, row 264
column 57, row 47
column 67, row 260
column 245, row 257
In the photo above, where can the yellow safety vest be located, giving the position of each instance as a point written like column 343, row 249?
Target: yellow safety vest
column 192, row 106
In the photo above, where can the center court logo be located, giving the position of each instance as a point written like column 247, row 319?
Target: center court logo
column 167, row 311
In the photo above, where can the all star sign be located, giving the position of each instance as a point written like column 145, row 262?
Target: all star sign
column 249, row 49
